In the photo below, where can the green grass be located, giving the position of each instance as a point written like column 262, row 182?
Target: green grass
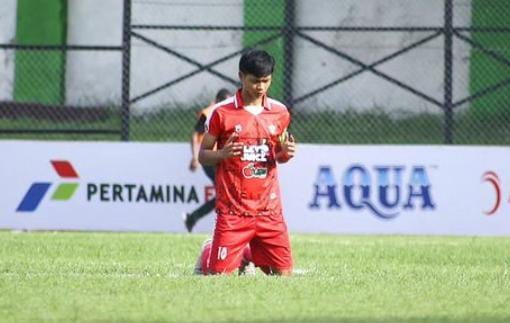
column 375, row 127
column 128, row 277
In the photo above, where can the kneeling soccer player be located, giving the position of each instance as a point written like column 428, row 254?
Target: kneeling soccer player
column 250, row 133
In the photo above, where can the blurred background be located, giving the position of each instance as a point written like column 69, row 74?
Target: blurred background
column 351, row 71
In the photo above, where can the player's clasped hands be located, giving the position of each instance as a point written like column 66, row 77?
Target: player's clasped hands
column 289, row 146
column 231, row 147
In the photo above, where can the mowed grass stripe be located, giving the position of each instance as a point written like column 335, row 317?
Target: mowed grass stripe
column 130, row 277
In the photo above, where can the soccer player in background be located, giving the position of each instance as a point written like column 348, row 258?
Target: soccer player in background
column 190, row 219
column 250, row 133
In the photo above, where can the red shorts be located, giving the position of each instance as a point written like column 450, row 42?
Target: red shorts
column 205, row 256
column 267, row 236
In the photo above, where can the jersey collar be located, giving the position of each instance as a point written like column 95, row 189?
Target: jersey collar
column 238, row 101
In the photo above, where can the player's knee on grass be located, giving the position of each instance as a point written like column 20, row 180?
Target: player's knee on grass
column 224, row 262
column 238, row 261
column 268, row 270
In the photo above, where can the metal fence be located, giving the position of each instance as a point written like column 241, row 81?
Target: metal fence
column 369, row 71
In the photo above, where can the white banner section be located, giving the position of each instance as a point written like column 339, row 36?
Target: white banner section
column 434, row 190
column 399, row 190
column 100, row 186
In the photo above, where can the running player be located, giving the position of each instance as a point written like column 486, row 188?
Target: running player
column 190, row 219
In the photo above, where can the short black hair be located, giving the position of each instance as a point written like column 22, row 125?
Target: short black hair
column 256, row 62
column 222, row 95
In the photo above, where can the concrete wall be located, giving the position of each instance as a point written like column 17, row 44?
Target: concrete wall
column 93, row 77
column 7, row 35
column 422, row 68
column 96, row 77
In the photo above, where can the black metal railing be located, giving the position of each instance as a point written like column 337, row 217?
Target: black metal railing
column 288, row 32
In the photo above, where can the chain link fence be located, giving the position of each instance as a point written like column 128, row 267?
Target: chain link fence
column 352, row 72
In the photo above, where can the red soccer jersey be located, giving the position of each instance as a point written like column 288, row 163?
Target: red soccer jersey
column 248, row 185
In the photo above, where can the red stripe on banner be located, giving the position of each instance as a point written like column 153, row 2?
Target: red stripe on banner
column 64, row 169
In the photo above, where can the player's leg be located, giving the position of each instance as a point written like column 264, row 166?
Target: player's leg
column 202, row 263
column 190, row 219
column 247, row 266
column 231, row 235
column 268, row 270
column 271, row 246
column 210, row 172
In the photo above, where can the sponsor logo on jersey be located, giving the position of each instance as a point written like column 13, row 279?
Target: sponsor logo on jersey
column 255, row 153
column 252, row 171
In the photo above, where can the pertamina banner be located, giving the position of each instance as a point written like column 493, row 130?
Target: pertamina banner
column 99, row 186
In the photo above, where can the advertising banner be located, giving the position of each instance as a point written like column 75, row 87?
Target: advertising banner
column 398, row 190
column 428, row 190
column 99, row 186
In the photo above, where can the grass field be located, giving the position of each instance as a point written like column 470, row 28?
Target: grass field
column 128, row 277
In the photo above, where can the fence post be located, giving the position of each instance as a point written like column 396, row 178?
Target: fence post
column 288, row 52
column 126, row 54
column 448, row 71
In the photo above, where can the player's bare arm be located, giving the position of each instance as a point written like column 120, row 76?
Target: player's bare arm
column 195, row 146
column 287, row 149
column 209, row 156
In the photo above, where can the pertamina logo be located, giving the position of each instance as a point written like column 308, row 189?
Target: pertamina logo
column 38, row 190
column 131, row 191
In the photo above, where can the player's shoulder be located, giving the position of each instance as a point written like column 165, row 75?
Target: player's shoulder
column 277, row 105
column 225, row 104
column 207, row 110
column 220, row 108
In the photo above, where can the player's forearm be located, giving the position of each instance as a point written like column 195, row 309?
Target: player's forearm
column 195, row 146
column 210, row 157
column 282, row 157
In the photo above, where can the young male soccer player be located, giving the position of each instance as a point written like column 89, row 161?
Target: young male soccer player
column 190, row 219
column 249, row 130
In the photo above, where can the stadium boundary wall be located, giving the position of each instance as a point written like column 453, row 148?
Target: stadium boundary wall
column 429, row 190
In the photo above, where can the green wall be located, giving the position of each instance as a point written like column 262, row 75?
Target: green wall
column 267, row 13
column 40, row 75
column 484, row 70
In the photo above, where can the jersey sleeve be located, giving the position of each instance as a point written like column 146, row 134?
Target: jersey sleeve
column 287, row 119
column 200, row 125
column 213, row 124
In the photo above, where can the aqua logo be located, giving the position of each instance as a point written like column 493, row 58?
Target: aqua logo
column 385, row 191
column 38, row 190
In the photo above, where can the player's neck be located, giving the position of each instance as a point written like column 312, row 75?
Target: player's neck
column 249, row 100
